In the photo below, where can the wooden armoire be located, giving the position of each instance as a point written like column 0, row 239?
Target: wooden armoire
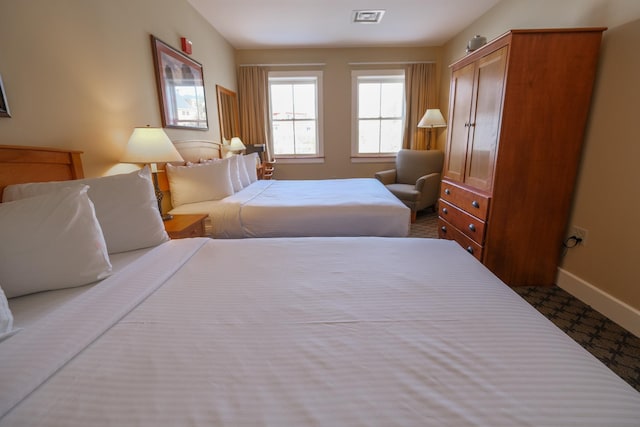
column 518, row 109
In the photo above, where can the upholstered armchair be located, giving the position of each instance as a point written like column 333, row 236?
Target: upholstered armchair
column 416, row 178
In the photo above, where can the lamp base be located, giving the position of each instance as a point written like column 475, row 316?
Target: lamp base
column 159, row 197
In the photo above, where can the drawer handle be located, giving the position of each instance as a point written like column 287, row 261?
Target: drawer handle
column 472, row 227
column 475, row 204
column 470, row 250
column 447, row 191
column 444, row 229
column 445, row 211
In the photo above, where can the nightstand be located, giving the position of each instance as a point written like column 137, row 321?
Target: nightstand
column 182, row 226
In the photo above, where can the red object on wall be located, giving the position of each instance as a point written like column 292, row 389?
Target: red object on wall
column 186, row 45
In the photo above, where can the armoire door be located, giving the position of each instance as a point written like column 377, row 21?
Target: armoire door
column 459, row 114
column 484, row 124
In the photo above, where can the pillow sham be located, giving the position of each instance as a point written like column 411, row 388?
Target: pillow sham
column 125, row 205
column 6, row 318
column 234, row 172
column 251, row 165
column 199, row 183
column 242, row 168
column 63, row 248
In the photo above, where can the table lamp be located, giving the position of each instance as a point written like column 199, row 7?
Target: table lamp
column 235, row 146
column 432, row 119
column 151, row 146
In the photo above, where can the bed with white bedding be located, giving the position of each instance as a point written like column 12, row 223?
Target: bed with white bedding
column 295, row 208
column 335, row 335
column 322, row 331
column 239, row 205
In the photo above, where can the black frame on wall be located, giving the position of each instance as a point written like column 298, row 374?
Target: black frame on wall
column 4, row 106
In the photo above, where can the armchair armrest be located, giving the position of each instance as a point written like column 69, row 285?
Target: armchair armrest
column 430, row 181
column 386, row 177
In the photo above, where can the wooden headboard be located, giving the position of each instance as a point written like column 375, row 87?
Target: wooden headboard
column 19, row 164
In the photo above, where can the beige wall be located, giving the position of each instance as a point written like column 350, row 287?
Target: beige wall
column 606, row 200
column 79, row 73
column 336, row 100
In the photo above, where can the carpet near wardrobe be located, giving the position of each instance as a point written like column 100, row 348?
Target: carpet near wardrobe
column 616, row 347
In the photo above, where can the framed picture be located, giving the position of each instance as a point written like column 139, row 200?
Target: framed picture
column 180, row 88
column 4, row 107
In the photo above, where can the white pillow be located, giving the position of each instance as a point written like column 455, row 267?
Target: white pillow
column 242, row 167
column 6, row 318
column 251, row 165
column 199, row 183
column 234, row 172
column 52, row 241
column 125, row 204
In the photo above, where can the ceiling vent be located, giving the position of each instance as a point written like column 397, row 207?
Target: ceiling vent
column 367, row 16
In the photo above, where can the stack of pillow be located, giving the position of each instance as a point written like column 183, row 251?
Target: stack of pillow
column 212, row 179
column 60, row 234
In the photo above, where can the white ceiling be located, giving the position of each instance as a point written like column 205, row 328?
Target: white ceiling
column 251, row 24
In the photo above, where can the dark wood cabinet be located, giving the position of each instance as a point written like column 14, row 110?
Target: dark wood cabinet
column 517, row 114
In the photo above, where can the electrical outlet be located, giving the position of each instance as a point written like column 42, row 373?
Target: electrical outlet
column 580, row 232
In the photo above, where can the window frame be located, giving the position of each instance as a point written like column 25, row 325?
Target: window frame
column 293, row 77
column 356, row 156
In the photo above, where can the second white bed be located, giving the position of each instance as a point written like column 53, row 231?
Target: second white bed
column 303, row 208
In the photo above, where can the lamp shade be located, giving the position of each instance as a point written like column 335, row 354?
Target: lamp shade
column 432, row 119
column 236, row 144
column 150, row 145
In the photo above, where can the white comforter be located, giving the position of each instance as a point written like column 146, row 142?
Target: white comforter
column 312, row 331
column 330, row 207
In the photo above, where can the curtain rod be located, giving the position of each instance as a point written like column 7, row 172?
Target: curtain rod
column 322, row 64
column 311, row 64
column 392, row 63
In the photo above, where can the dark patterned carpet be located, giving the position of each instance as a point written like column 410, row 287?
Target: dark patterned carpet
column 426, row 225
column 616, row 347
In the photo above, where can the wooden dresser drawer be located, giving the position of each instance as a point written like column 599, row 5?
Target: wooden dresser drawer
column 477, row 204
column 468, row 224
column 449, row 232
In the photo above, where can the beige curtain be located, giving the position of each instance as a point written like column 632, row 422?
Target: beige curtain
column 253, row 89
column 420, row 87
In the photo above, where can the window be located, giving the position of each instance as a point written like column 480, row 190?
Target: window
column 378, row 105
column 295, row 119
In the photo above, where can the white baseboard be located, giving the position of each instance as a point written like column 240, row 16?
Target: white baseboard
column 618, row 311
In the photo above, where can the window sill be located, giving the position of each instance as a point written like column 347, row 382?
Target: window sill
column 283, row 160
column 373, row 159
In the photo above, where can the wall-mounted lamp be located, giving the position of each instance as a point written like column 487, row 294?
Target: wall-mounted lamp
column 432, row 119
column 151, row 146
